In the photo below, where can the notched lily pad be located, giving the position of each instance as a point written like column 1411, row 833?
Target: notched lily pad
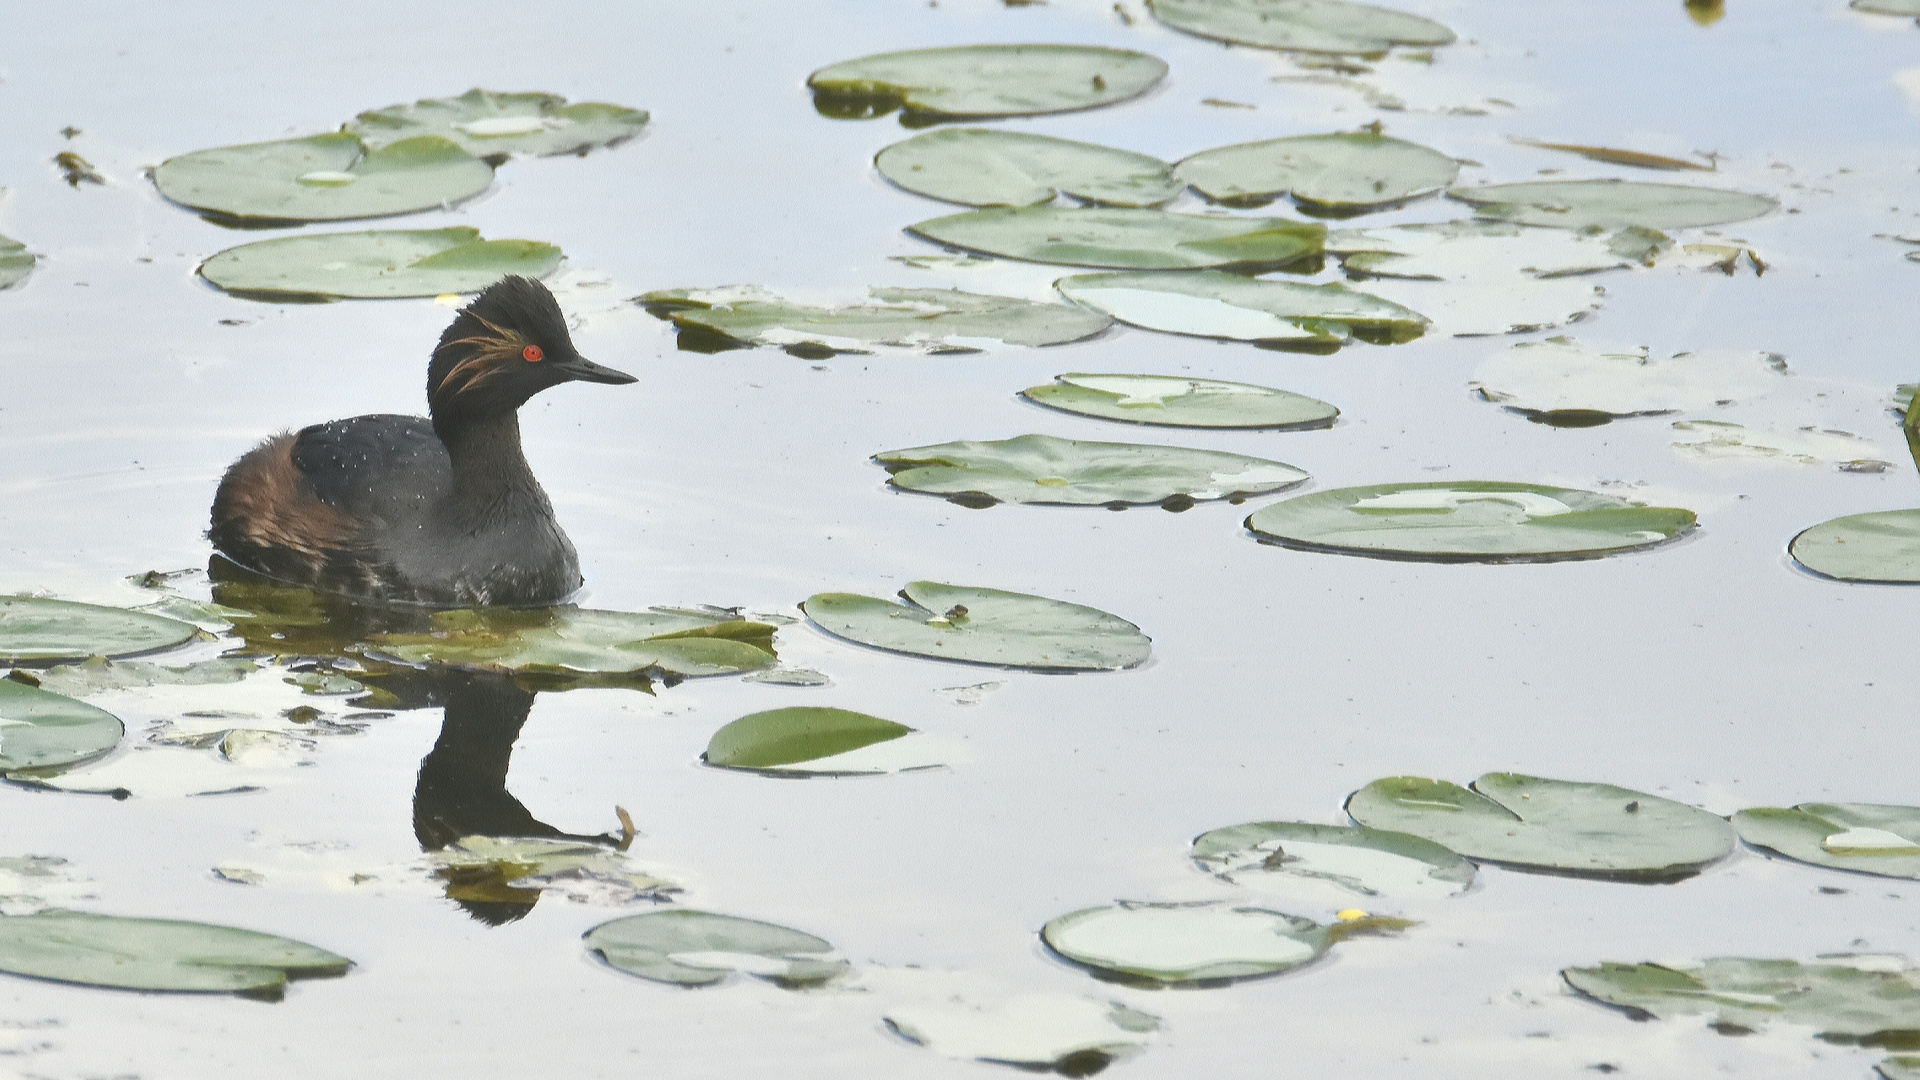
column 157, row 954
column 937, row 320
column 38, row 631
column 1864, row 999
column 44, row 730
column 1869, row 838
column 1568, row 383
column 16, row 262
column 1594, row 205
column 800, row 740
column 985, row 167
column 331, row 177
column 1881, row 548
column 1333, row 862
column 1214, row 303
column 1050, row 471
column 1343, row 173
column 376, row 265
column 1184, row 944
column 1328, row 26
column 984, row 626
column 1176, row 401
column 1059, row 1033
column 933, row 85
column 1468, row 521
column 1550, row 826
column 572, row 646
column 1125, row 239
column 494, row 126
column 699, row 948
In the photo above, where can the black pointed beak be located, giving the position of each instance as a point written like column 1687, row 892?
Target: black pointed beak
column 584, row 370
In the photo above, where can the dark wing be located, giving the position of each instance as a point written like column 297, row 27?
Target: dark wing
column 383, row 469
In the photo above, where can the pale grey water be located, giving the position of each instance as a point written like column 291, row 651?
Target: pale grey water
column 1709, row 671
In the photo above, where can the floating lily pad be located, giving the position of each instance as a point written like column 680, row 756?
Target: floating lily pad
column 16, row 262
column 157, row 954
column 1468, row 521
column 516, row 869
column 1550, row 826
column 1332, row 861
column 1568, row 383
column 1214, row 303
column 1060, row 1033
column 1888, row 7
column 33, row 630
column 1866, row 837
column 329, row 177
column 1126, row 239
column 1329, row 26
column 1612, row 204
column 1492, row 277
column 933, row 319
column 571, row 643
column 699, row 948
column 1780, row 443
column 99, row 674
column 984, row 626
column 1882, row 547
column 932, row 85
column 376, row 265
column 1046, row 470
column 1174, row 401
column 1184, row 944
column 1871, row 1000
column 983, row 167
column 494, row 126
column 810, row 735
column 166, row 772
column 1345, row 172
column 43, row 730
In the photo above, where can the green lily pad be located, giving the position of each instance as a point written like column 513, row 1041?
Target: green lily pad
column 98, row 674
column 1468, row 521
column 1888, row 7
column 699, row 948
column 493, row 126
column 572, row 643
column 44, row 730
column 1550, row 826
column 1059, row 1033
column 1328, row 26
column 933, row 319
column 1184, row 944
column 157, row 954
column 1612, row 204
column 376, row 265
column 984, row 626
column 1175, row 401
column 1214, row 303
column 1568, row 383
column 1126, row 239
column 16, row 262
column 1866, row 837
column 330, row 177
column 1881, row 547
column 1336, row 862
column 984, row 167
column 933, row 85
column 1871, row 1000
column 33, row 630
column 799, row 735
column 1350, row 171
column 1049, row 471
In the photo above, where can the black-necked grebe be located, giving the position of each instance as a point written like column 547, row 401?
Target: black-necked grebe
column 402, row 509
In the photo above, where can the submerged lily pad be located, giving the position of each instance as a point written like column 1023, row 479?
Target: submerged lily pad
column 1612, row 204
column 516, row 869
column 932, row 85
column 1126, row 239
column 1613, row 156
column 935, row 319
column 1333, row 861
column 157, row 954
column 98, row 674
column 1866, row 837
column 1871, row 1000
column 1175, row 401
column 1568, row 383
column 380, row 264
column 494, row 126
column 699, row 948
column 33, row 630
column 1330, row 26
column 781, row 739
column 329, row 177
column 1778, row 443
column 1342, row 172
column 1550, row 826
column 1060, row 1033
column 984, row 626
column 16, row 262
column 1214, row 303
column 1183, row 944
column 1468, row 521
column 1881, row 547
column 43, row 730
column 1050, row 471
column 984, row 167
column 571, row 643
column 1490, row 277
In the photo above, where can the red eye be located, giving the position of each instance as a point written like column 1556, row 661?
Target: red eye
column 533, row 354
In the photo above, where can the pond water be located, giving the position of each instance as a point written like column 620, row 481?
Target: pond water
column 1710, row 671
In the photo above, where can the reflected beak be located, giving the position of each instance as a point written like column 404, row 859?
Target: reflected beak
column 584, row 370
